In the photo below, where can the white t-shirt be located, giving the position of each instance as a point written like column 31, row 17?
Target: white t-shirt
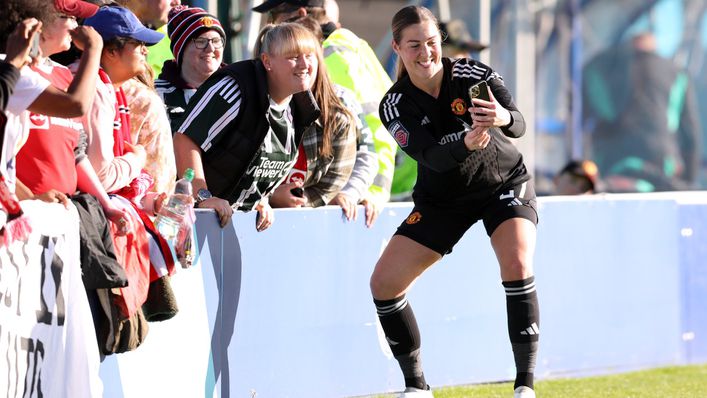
column 29, row 86
column 47, row 340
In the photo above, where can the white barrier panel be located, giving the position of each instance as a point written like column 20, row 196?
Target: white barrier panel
column 288, row 313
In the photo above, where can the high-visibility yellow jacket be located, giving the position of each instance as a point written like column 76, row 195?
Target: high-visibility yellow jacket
column 160, row 52
column 352, row 64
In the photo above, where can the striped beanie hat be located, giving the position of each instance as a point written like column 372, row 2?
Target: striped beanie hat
column 186, row 23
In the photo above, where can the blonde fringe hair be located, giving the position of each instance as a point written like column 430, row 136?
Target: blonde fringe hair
column 288, row 39
column 285, row 39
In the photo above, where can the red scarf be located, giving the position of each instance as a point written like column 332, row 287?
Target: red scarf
column 121, row 124
column 139, row 186
column 121, row 134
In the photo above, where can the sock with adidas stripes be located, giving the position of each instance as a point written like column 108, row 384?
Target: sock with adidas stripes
column 523, row 327
column 400, row 327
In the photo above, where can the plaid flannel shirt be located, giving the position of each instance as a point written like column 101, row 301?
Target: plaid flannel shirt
column 327, row 176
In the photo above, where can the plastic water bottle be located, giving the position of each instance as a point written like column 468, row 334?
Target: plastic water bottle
column 184, row 245
column 172, row 213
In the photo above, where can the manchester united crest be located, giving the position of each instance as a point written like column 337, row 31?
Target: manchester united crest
column 458, row 107
column 207, row 21
column 414, row 218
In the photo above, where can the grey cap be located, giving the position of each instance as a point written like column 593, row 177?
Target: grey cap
column 456, row 34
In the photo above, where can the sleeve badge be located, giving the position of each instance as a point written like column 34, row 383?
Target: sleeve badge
column 399, row 133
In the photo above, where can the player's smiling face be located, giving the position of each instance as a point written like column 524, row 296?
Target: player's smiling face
column 420, row 49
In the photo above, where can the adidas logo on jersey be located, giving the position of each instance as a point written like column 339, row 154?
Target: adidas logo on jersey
column 425, row 120
column 531, row 330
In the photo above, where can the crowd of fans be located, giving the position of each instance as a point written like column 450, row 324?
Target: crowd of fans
column 106, row 103
column 87, row 125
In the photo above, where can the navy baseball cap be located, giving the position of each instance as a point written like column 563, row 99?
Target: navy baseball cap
column 112, row 22
column 268, row 5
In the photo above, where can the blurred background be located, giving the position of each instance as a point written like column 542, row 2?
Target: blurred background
column 618, row 82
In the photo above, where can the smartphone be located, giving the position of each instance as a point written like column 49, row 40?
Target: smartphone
column 479, row 90
column 298, row 192
column 34, row 46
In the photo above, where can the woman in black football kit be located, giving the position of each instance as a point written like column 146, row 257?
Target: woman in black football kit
column 468, row 170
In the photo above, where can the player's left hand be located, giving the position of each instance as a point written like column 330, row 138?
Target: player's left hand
column 478, row 138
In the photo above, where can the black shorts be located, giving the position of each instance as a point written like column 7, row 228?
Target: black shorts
column 440, row 228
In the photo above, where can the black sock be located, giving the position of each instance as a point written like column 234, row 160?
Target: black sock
column 400, row 327
column 523, row 327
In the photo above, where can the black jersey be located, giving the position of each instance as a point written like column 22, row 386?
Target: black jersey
column 431, row 130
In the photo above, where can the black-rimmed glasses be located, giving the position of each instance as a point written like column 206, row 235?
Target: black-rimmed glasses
column 202, row 42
